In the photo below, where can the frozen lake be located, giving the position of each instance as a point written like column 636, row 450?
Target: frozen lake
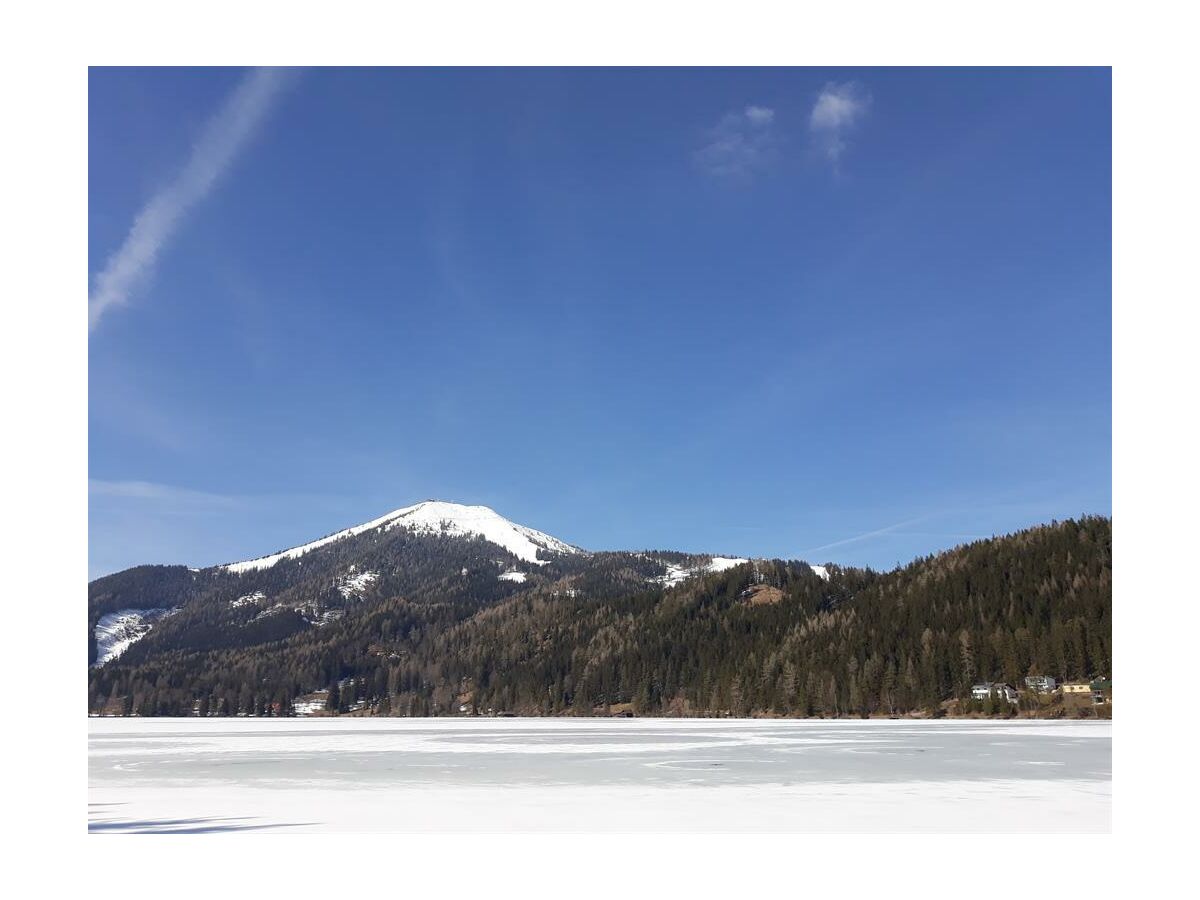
column 228, row 775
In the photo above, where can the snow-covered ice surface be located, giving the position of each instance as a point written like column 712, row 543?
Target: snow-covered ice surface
column 220, row 775
column 116, row 632
column 432, row 517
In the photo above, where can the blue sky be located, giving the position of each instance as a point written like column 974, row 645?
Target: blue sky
column 850, row 315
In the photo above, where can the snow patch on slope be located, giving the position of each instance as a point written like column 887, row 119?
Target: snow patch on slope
column 247, row 599
column 434, row 517
column 677, row 574
column 518, row 577
column 354, row 585
column 116, row 632
column 674, row 575
column 820, row 571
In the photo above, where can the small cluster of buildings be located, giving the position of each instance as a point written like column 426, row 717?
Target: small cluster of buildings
column 999, row 691
column 1100, row 689
column 310, row 704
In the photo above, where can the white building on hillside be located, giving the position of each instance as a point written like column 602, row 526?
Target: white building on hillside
column 310, row 704
column 1041, row 684
column 994, row 689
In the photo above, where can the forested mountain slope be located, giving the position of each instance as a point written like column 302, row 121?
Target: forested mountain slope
column 436, row 621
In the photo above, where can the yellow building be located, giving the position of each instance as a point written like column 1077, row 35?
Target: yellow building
column 1077, row 687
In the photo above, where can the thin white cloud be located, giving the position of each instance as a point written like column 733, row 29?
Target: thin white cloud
column 224, row 136
column 837, row 110
column 760, row 115
column 159, row 493
column 740, row 144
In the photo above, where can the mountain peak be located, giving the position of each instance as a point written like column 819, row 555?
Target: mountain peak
column 430, row 517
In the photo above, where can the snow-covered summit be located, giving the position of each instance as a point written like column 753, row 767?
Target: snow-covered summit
column 435, row 517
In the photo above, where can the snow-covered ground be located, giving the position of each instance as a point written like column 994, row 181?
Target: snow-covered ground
column 116, row 632
column 721, row 563
column 597, row 774
column 353, row 584
column 677, row 574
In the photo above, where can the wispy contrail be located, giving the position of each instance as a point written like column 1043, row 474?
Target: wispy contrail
column 869, row 534
column 223, row 137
